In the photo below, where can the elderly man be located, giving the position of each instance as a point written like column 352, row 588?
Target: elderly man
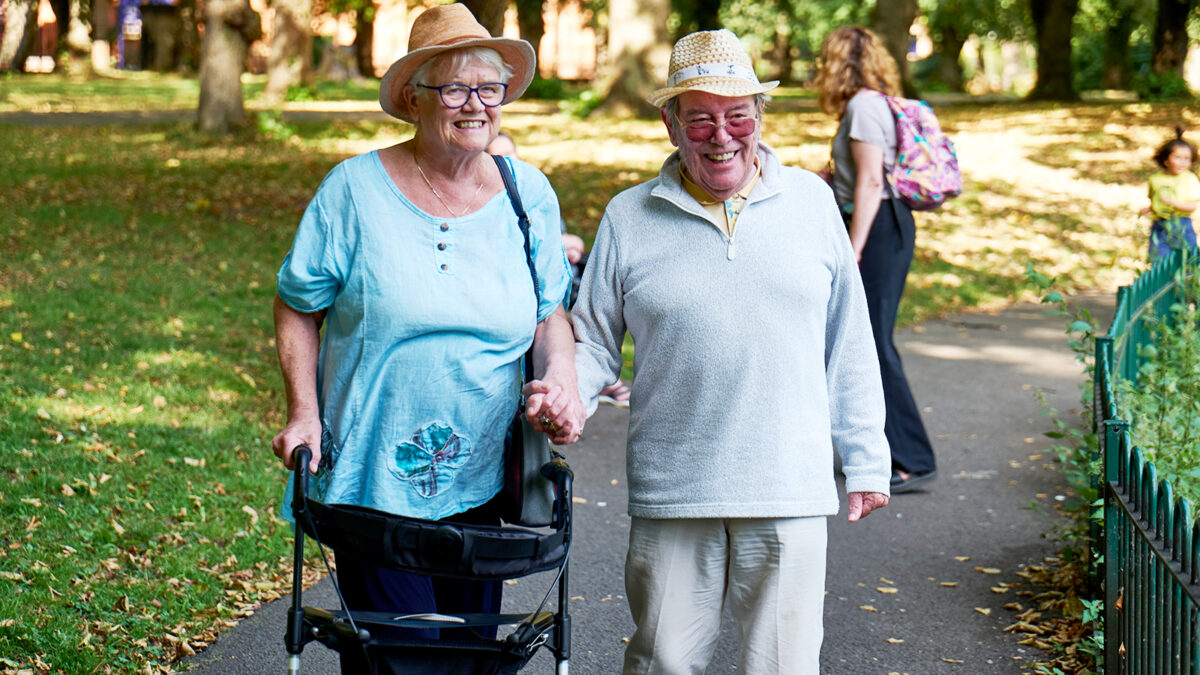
column 754, row 361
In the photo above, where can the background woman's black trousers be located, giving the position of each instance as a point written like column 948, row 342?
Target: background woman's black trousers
column 884, row 267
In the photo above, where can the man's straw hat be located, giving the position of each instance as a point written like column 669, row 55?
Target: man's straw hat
column 440, row 29
column 712, row 61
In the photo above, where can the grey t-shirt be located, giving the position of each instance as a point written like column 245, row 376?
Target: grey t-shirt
column 868, row 119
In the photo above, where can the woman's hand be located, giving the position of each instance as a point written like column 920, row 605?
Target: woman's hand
column 554, row 410
column 863, row 503
column 303, row 431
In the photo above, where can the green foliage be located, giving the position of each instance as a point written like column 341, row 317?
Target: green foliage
column 270, row 125
column 1076, row 449
column 582, row 105
column 551, row 89
column 1152, row 86
column 1163, row 406
column 805, row 23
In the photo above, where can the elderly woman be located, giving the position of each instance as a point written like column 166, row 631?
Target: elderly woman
column 412, row 260
column 855, row 70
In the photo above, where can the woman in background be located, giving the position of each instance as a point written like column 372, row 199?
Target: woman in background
column 856, row 72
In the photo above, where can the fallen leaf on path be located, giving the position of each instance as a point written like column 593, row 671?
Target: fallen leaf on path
column 949, row 584
column 987, row 570
column 887, row 590
column 895, row 641
column 867, row 608
column 984, row 611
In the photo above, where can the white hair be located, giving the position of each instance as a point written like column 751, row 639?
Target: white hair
column 457, row 59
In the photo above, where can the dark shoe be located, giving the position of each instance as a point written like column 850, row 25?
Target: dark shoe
column 914, row 481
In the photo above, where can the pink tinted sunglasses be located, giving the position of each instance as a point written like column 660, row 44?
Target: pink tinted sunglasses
column 702, row 130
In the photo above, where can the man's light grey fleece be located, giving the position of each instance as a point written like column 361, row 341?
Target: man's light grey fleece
column 754, row 355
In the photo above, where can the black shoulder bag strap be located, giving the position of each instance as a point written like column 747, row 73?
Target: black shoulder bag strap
column 510, row 186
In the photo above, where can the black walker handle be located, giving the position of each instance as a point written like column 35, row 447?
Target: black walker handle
column 294, row 639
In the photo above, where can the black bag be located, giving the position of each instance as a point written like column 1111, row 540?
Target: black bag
column 528, row 495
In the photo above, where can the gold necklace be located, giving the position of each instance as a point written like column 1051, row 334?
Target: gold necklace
column 439, row 195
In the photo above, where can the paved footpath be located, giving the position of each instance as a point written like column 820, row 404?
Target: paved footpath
column 977, row 378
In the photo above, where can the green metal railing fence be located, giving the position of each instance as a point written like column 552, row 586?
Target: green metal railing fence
column 1151, row 547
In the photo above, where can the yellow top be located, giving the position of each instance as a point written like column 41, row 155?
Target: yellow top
column 1184, row 187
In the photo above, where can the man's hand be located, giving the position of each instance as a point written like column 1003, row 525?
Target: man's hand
column 863, row 503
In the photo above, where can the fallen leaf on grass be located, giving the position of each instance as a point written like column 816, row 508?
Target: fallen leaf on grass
column 116, row 526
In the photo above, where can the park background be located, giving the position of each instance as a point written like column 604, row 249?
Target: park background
column 145, row 206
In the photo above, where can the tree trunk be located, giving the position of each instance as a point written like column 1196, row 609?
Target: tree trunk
column 531, row 22
column 892, row 20
column 1118, row 68
column 949, row 50
column 489, row 13
column 708, row 14
column 289, row 62
column 364, row 41
column 20, row 34
column 229, row 25
column 780, row 55
column 1170, row 36
column 1052, row 22
column 638, row 54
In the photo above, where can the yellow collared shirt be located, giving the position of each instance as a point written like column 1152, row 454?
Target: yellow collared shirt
column 726, row 212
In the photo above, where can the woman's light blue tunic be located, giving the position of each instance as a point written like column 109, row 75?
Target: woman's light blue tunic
column 427, row 318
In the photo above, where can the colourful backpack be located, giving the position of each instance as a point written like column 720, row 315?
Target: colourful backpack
column 926, row 171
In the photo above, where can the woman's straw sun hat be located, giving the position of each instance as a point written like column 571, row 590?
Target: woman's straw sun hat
column 440, row 29
column 712, row 61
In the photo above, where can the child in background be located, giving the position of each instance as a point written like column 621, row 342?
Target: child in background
column 617, row 393
column 1174, row 195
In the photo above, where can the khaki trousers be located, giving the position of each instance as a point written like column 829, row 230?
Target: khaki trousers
column 679, row 573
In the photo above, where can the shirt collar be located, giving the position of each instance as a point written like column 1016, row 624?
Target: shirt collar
column 701, row 195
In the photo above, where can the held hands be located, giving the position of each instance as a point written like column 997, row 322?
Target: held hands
column 863, row 503
column 299, row 432
column 555, row 411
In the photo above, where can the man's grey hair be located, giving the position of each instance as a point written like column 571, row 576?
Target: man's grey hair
column 671, row 107
column 458, row 59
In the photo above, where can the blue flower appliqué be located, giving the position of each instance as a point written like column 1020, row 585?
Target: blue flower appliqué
column 429, row 460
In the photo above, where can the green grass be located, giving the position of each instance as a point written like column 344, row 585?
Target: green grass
column 131, row 90
column 138, row 384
